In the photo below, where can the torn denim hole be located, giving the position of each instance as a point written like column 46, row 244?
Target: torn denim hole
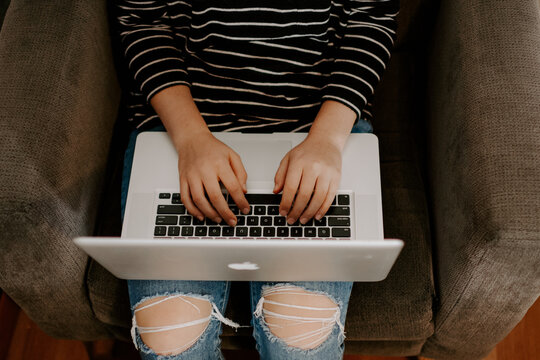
column 327, row 322
column 152, row 329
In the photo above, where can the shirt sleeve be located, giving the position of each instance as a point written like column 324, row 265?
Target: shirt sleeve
column 153, row 56
column 363, row 52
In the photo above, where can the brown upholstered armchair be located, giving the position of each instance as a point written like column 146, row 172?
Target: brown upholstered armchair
column 458, row 119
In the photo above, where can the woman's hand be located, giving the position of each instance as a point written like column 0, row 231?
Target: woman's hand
column 311, row 171
column 203, row 160
column 203, row 163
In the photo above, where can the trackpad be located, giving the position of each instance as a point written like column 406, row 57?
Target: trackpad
column 261, row 158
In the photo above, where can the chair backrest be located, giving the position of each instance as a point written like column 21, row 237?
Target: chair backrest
column 414, row 19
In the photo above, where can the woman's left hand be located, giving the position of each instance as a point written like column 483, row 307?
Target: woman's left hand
column 313, row 167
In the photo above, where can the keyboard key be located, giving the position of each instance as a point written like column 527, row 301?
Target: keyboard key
column 171, row 209
column 296, row 231
column 341, row 232
column 321, row 222
column 260, row 210
column 173, row 231
column 164, row 195
column 338, row 210
column 214, row 231
column 266, row 220
column 201, row 231
column 253, row 220
column 210, row 222
column 339, row 221
column 334, row 201
column 310, row 232
column 267, row 199
column 324, row 232
column 296, row 223
column 176, row 199
column 185, row 220
column 235, row 210
column 166, row 220
column 282, row 231
column 280, row 221
column 309, row 223
column 273, row 210
column 269, row 231
column 255, row 231
column 240, row 220
column 343, row 199
column 241, row 231
column 228, row 231
column 160, row 231
column 187, row 231
column 198, row 222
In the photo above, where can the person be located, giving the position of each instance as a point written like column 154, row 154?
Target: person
column 253, row 66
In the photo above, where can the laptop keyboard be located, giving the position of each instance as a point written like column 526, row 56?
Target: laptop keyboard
column 263, row 220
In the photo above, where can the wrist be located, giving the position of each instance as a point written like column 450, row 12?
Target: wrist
column 179, row 115
column 333, row 124
column 337, row 140
column 188, row 134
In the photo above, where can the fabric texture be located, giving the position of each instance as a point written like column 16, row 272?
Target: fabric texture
column 257, row 68
column 484, row 172
column 59, row 98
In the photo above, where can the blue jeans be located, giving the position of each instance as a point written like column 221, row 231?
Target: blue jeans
column 217, row 293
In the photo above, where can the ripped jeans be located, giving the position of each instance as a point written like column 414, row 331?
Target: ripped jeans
column 299, row 320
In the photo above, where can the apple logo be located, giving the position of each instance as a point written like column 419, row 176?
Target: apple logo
column 246, row 265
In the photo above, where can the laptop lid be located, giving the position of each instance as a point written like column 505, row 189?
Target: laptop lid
column 365, row 256
column 254, row 260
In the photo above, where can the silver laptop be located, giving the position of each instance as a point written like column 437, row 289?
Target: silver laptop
column 161, row 241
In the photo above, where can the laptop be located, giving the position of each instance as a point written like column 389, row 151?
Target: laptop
column 161, row 241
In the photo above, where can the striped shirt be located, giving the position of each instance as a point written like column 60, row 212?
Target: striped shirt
column 264, row 65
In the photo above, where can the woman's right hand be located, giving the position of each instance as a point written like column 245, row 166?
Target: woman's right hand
column 203, row 163
column 203, row 160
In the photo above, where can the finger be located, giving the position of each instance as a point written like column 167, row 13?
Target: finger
column 292, row 179
column 234, row 188
column 218, row 202
column 199, row 198
column 319, row 195
column 307, row 184
column 185, row 197
column 239, row 170
column 332, row 189
column 279, row 179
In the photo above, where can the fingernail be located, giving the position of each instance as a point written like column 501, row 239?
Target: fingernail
column 201, row 218
column 232, row 222
column 217, row 220
column 303, row 220
column 245, row 211
column 290, row 221
column 282, row 213
column 318, row 216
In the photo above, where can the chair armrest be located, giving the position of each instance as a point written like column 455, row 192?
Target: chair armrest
column 484, row 126
column 58, row 103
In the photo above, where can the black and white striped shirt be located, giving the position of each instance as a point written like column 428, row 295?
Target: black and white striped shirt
column 264, row 65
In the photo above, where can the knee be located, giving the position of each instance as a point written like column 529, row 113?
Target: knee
column 170, row 325
column 301, row 318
